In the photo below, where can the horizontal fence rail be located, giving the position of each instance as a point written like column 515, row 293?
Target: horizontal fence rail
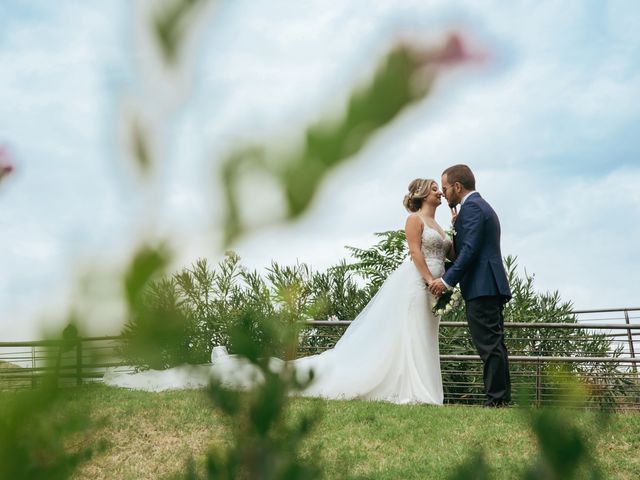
column 25, row 364
column 599, row 350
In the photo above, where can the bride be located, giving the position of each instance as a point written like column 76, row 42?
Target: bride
column 389, row 352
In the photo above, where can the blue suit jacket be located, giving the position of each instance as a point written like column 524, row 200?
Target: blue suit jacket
column 478, row 267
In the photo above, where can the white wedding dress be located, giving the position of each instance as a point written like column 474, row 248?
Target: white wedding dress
column 389, row 352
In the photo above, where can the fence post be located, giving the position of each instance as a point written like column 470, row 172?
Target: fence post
column 632, row 351
column 33, row 366
column 538, row 382
column 79, row 362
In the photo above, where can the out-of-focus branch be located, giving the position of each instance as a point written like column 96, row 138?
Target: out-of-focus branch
column 171, row 24
column 405, row 76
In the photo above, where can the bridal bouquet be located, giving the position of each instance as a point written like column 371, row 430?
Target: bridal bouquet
column 447, row 302
column 450, row 232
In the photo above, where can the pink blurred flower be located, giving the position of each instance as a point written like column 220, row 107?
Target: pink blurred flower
column 455, row 51
column 6, row 167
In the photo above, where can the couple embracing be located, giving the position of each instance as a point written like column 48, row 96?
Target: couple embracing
column 390, row 351
column 476, row 265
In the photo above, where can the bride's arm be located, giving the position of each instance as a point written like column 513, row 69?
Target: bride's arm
column 413, row 231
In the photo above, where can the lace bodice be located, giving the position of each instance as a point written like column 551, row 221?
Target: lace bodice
column 434, row 247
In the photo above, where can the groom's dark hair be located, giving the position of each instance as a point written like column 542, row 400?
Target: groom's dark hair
column 461, row 174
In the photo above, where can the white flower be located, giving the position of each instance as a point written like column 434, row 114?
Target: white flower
column 451, row 232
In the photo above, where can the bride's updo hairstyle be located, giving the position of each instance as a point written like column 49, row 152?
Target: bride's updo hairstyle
column 418, row 191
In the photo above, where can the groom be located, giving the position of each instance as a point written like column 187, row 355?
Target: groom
column 483, row 281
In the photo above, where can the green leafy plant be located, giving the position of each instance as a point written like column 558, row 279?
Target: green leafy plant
column 157, row 331
column 266, row 437
column 40, row 438
column 374, row 264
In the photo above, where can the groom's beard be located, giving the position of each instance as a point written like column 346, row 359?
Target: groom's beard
column 453, row 204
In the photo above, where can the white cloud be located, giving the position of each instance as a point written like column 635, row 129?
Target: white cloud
column 543, row 127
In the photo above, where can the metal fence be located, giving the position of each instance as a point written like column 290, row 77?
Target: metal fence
column 26, row 364
column 597, row 355
column 599, row 350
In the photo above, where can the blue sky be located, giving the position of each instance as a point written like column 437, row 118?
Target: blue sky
column 549, row 127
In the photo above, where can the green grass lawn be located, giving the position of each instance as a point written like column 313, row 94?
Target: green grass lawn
column 150, row 435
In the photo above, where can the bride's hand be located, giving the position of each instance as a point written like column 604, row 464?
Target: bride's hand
column 437, row 287
column 454, row 215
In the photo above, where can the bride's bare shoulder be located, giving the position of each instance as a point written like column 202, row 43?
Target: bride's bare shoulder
column 414, row 222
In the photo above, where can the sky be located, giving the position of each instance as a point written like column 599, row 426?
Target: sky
column 548, row 125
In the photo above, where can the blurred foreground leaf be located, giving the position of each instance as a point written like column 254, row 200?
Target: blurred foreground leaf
column 171, row 24
column 266, row 437
column 403, row 77
column 475, row 468
column 156, row 332
column 147, row 264
column 41, row 438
